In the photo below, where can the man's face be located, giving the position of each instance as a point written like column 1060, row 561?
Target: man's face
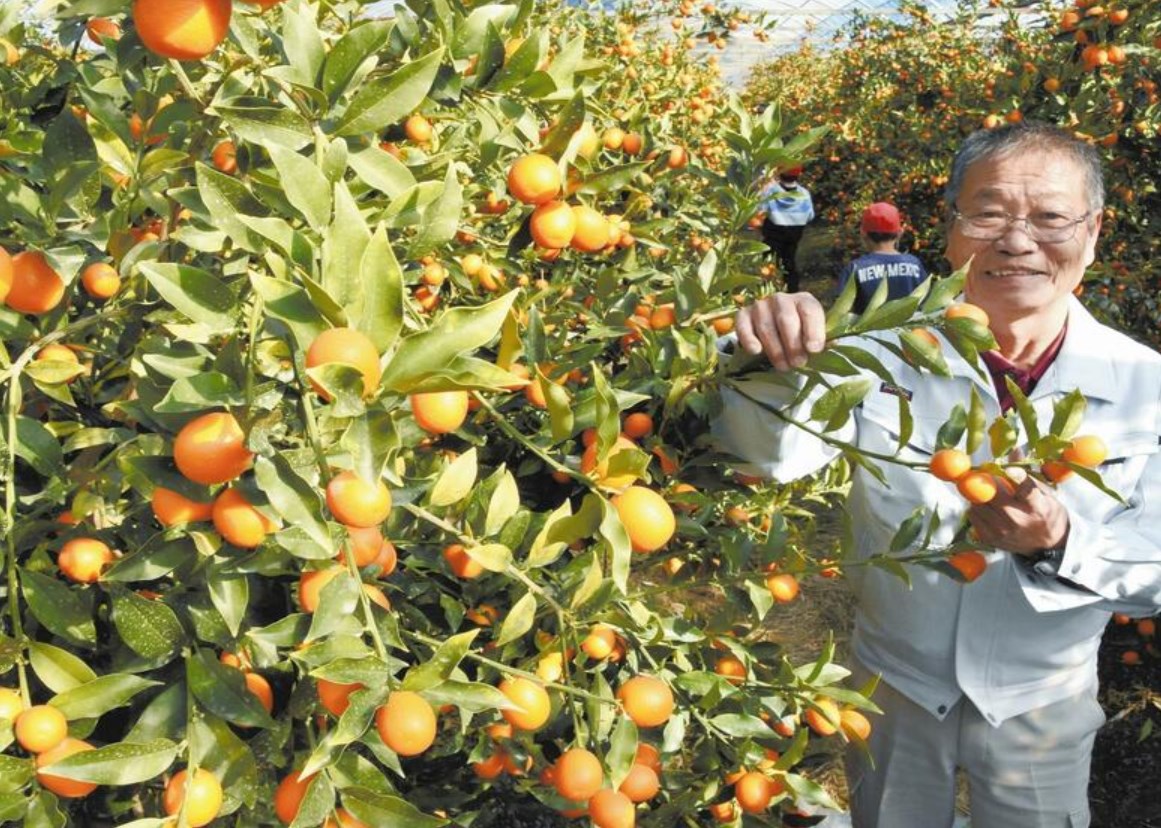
column 1014, row 275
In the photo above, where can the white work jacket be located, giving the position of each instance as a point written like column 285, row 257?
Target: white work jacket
column 1013, row 640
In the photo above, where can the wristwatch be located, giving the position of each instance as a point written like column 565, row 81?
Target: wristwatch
column 1047, row 561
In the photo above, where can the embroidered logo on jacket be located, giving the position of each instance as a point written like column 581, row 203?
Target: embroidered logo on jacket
column 896, row 391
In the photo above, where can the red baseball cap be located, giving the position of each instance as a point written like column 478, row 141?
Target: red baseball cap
column 882, row 217
column 791, row 172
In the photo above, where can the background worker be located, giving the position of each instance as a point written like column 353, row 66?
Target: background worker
column 788, row 209
column 880, row 229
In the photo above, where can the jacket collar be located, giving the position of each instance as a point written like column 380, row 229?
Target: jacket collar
column 1085, row 360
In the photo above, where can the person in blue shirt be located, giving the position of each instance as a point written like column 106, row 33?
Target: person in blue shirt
column 788, row 209
column 881, row 227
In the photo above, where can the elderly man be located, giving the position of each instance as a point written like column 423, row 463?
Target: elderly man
column 996, row 677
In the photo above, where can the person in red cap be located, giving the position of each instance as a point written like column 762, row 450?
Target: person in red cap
column 881, row 227
column 788, row 209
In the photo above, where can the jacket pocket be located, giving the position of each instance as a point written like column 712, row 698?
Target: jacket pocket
column 880, row 416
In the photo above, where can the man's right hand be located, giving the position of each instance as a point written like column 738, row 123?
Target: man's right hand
column 787, row 327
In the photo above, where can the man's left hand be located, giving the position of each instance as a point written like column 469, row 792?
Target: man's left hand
column 1024, row 519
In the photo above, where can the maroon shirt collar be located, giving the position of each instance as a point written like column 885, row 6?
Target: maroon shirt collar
column 1000, row 367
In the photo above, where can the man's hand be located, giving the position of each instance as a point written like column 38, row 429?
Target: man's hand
column 787, row 327
column 1023, row 520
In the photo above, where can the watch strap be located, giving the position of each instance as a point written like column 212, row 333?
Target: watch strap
column 1047, row 561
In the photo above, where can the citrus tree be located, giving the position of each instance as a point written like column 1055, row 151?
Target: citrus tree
column 307, row 317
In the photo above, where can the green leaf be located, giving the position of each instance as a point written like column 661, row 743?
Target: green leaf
column 118, row 764
column 306, row 188
column 196, row 293
column 351, row 727
column 614, row 179
column 59, row 670
column 293, row 497
column 544, row 549
column 344, row 245
column 607, row 420
column 472, row 696
column 968, row 334
column 149, row 628
column 355, row 48
column 568, row 121
column 457, row 331
column 456, row 481
column 97, row 697
column 1068, row 414
column 287, row 240
column 303, row 44
column 490, row 56
column 338, row 607
column 230, row 595
column 441, row 218
column 560, row 413
column 519, row 620
column 213, row 745
column 1093, row 477
column 1001, row 436
column 588, row 587
column 977, row 422
column 222, row 690
column 613, row 531
column 383, row 171
column 494, row 557
column 62, row 611
column 832, row 362
column 564, row 66
column 227, row 198
column 890, row 315
column 154, row 559
column 741, row 726
column 317, row 804
column 385, row 100
column 520, row 65
column 622, row 751
column 290, row 305
column 207, row 390
column 909, row 531
column 1027, row 413
column 262, row 122
column 382, row 809
column 380, row 313
column 164, row 715
column 465, row 373
column 37, row 446
column 471, row 35
column 441, row 664
column 15, row 773
column 67, row 143
column 44, row 811
column 923, row 353
column 951, row 432
column 835, row 405
column 503, row 505
column 945, row 290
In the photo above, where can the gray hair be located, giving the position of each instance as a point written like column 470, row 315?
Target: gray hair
column 1022, row 137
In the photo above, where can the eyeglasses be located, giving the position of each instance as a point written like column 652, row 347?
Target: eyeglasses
column 1046, row 228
